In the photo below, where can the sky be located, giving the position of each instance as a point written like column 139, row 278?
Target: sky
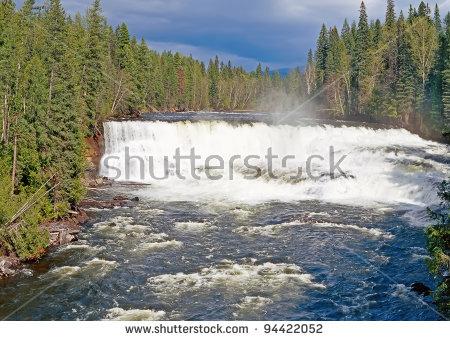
column 275, row 33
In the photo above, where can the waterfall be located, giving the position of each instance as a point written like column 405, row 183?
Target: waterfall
column 383, row 166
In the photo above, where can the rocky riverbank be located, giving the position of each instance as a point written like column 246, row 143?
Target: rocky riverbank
column 64, row 231
column 61, row 232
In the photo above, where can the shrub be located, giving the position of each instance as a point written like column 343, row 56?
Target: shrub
column 438, row 245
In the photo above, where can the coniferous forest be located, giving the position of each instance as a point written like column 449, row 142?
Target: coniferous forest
column 61, row 76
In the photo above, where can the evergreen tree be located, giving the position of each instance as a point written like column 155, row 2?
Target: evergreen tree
column 437, row 19
column 64, row 136
column 412, row 13
column 93, row 76
column 405, row 86
column 422, row 10
column 389, row 52
column 321, row 55
column 336, row 70
column 213, row 75
column 390, row 14
column 347, row 37
column 376, row 33
column 361, row 56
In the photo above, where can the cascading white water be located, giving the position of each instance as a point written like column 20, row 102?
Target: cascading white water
column 381, row 166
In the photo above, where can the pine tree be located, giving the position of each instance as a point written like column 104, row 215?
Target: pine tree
column 422, row 9
column 124, row 49
column 390, row 14
column 93, row 76
column 213, row 75
column 412, row 13
column 376, row 33
column 437, row 19
column 389, row 51
column 320, row 56
column 360, row 60
column 347, row 37
column 405, row 86
column 62, row 144
column 259, row 71
column 336, row 71
column 362, row 35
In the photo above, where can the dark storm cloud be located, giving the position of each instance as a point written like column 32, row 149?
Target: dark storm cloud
column 277, row 33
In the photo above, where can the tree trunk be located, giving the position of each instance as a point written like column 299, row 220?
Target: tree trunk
column 116, row 97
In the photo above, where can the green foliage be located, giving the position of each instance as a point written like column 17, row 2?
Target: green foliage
column 27, row 243
column 394, row 69
column 24, row 238
column 438, row 245
column 320, row 56
column 3, row 216
column 61, row 209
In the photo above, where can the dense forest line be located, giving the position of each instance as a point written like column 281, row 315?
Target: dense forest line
column 396, row 69
column 62, row 76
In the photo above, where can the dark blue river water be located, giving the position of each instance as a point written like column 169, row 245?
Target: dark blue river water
column 207, row 255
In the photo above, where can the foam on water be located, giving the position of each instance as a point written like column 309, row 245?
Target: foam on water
column 101, row 262
column 65, row 270
column 236, row 277
column 119, row 314
column 190, row 226
column 120, row 224
column 251, row 305
column 156, row 241
column 158, row 245
column 78, row 247
column 150, row 211
column 272, row 230
column 402, row 291
column 96, row 267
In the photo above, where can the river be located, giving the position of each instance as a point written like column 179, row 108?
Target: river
column 265, row 242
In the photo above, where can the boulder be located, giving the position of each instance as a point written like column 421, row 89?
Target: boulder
column 120, row 198
column 8, row 266
column 82, row 217
column 63, row 232
column 421, row 289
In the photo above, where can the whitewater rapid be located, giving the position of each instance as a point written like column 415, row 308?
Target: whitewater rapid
column 381, row 166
